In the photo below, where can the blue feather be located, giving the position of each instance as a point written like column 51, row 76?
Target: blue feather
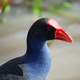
column 35, row 64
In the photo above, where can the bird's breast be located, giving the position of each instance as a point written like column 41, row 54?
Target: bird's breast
column 37, row 64
column 38, row 71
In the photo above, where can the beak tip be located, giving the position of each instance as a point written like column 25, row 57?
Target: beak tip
column 62, row 35
column 70, row 40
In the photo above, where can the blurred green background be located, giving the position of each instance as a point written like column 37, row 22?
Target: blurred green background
column 16, row 17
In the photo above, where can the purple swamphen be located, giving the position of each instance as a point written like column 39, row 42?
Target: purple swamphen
column 35, row 64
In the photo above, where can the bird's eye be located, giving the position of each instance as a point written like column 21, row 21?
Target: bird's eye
column 49, row 27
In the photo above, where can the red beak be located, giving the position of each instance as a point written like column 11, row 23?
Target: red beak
column 62, row 35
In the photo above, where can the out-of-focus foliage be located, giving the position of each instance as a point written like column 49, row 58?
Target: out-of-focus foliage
column 7, row 9
column 4, row 8
column 59, row 7
column 37, row 7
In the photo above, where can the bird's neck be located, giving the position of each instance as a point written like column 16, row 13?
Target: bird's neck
column 38, row 59
column 37, row 50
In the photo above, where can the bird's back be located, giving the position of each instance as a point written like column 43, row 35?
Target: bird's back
column 17, row 69
column 10, row 77
column 11, row 70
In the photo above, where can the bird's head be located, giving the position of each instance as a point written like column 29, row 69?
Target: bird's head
column 48, row 29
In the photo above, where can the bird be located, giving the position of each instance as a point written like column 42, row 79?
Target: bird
column 36, row 62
